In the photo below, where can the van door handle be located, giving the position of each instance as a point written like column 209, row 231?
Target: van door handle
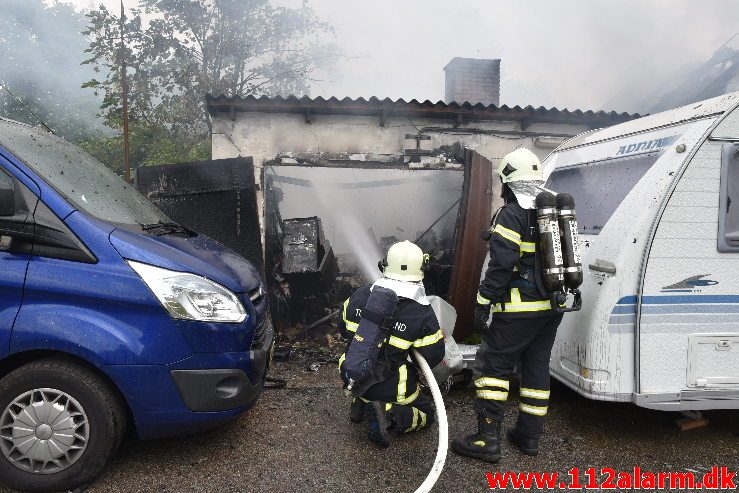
column 603, row 266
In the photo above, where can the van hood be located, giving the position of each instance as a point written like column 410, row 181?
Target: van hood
column 198, row 255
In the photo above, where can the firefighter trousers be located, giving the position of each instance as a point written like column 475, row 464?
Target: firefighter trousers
column 407, row 408
column 528, row 342
column 405, row 415
column 411, row 417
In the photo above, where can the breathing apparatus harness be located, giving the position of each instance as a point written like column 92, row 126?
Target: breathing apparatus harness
column 558, row 250
column 557, row 268
column 366, row 361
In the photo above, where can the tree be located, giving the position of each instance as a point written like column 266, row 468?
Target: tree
column 150, row 145
column 189, row 48
column 41, row 47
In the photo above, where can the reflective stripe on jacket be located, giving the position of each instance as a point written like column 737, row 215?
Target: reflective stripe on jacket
column 512, row 260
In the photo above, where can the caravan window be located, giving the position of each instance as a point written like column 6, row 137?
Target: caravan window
column 728, row 238
column 599, row 187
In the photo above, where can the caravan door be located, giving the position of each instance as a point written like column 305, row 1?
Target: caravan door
column 689, row 313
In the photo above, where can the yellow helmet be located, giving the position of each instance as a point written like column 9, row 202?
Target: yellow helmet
column 404, row 262
column 520, row 165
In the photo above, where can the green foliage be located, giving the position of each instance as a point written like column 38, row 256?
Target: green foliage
column 65, row 66
column 149, row 145
column 180, row 50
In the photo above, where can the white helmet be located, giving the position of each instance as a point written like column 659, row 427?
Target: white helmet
column 404, row 262
column 520, row 165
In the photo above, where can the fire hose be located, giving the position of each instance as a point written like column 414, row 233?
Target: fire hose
column 441, row 451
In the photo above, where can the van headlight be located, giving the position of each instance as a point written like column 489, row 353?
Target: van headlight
column 190, row 297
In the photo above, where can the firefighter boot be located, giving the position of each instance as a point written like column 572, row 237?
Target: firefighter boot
column 378, row 423
column 527, row 445
column 483, row 445
column 356, row 411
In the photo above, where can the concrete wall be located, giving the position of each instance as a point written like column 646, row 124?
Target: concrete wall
column 265, row 136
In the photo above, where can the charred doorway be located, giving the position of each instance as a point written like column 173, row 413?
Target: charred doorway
column 328, row 223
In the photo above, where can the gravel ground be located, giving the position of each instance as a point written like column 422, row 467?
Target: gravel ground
column 300, row 439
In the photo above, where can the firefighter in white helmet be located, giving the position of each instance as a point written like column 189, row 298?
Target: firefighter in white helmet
column 523, row 324
column 396, row 404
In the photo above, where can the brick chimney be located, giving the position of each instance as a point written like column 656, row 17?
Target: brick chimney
column 472, row 80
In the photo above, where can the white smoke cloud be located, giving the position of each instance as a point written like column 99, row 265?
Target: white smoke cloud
column 566, row 53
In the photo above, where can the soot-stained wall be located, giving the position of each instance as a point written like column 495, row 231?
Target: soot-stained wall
column 215, row 198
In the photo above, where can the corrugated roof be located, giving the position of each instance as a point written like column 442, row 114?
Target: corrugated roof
column 385, row 108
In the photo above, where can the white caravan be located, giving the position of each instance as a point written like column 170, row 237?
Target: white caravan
column 658, row 211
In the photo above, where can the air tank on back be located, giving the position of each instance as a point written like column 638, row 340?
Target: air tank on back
column 550, row 246
column 570, row 241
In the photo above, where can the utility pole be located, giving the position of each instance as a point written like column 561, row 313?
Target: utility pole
column 124, row 87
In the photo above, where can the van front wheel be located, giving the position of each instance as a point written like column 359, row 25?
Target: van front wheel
column 60, row 424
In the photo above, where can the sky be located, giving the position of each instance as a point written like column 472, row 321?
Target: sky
column 586, row 54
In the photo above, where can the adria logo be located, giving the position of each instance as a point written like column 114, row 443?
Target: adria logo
column 690, row 284
column 646, row 145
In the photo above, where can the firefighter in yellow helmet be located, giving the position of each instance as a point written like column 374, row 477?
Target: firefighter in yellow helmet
column 523, row 324
column 395, row 402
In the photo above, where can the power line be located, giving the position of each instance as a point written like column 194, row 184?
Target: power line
column 26, row 107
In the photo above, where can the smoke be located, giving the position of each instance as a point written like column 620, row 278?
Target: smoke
column 363, row 211
column 587, row 54
column 356, row 236
column 345, row 222
column 697, row 82
column 41, row 50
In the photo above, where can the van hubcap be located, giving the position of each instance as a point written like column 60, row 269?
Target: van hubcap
column 44, row 431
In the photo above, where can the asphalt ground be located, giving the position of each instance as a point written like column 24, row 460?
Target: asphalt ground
column 300, row 439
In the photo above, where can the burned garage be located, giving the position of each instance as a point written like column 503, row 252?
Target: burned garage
column 336, row 182
column 341, row 180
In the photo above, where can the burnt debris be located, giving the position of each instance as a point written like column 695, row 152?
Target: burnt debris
column 306, row 272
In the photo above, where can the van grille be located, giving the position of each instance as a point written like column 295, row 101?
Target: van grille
column 260, row 333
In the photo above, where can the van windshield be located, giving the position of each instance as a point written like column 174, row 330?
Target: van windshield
column 599, row 187
column 84, row 181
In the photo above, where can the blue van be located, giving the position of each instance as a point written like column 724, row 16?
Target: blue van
column 110, row 315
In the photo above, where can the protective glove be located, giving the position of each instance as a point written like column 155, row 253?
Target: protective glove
column 482, row 313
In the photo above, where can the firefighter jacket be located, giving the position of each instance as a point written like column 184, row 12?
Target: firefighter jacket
column 510, row 279
column 416, row 327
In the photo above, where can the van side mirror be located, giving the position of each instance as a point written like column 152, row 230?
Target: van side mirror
column 7, row 199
